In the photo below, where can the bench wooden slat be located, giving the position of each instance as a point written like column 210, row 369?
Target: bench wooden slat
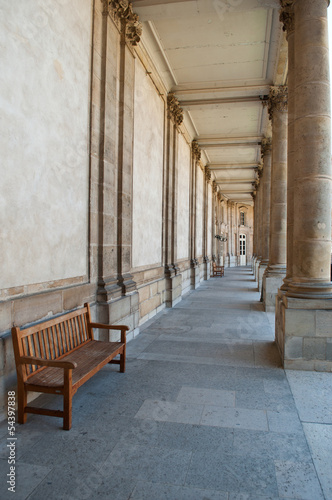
column 88, row 357
column 64, row 338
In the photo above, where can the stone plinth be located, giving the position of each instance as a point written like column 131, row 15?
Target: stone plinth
column 173, row 290
column 303, row 333
column 271, row 284
column 261, row 270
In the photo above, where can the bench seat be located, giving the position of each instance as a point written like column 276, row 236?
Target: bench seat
column 90, row 357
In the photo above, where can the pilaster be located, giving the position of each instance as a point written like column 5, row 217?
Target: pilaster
column 194, row 264
column 173, row 278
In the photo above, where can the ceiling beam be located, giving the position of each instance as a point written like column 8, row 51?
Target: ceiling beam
column 245, row 144
column 149, row 3
column 230, row 166
column 235, row 191
column 234, row 181
column 206, row 89
column 190, row 103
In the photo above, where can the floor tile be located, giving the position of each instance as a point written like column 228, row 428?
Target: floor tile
column 168, row 411
column 285, row 422
column 313, row 395
column 232, row 473
column 298, row 480
column 145, row 463
column 206, row 396
column 319, row 437
column 237, row 418
column 155, row 491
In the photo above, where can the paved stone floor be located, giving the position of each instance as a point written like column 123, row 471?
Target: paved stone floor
column 203, row 412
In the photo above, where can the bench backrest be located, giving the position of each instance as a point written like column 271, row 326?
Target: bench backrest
column 52, row 339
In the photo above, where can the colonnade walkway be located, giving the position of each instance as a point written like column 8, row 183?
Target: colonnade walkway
column 203, row 412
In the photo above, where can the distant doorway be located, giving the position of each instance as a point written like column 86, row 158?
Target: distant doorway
column 243, row 250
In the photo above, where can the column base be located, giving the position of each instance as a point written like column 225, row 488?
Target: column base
column 272, row 281
column 173, row 290
column 318, row 290
column 257, row 263
column 303, row 332
column 206, row 268
column 260, row 272
column 194, row 274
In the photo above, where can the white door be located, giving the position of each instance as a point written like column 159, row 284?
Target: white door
column 243, row 258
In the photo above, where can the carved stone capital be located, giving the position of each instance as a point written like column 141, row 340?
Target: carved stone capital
column 196, row 150
column 174, row 110
column 286, row 16
column 207, row 173
column 277, row 100
column 122, row 10
column 214, row 187
column 266, row 149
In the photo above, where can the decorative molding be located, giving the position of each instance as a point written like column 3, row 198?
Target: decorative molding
column 122, row 10
column 266, row 148
column 277, row 100
column 174, row 109
column 286, row 16
column 196, row 150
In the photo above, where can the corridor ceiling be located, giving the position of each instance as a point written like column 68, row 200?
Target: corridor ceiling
column 219, row 57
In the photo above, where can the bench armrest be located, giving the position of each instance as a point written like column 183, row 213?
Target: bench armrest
column 123, row 328
column 31, row 360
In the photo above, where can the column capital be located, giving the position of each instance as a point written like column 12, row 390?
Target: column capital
column 266, row 147
column 286, row 16
column 277, row 100
column 214, row 186
column 207, row 173
column 196, row 150
column 174, row 109
column 122, row 11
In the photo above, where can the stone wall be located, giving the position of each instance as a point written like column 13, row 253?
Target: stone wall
column 101, row 199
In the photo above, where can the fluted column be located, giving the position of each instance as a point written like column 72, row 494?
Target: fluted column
column 276, row 270
column 304, row 314
column 266, row 150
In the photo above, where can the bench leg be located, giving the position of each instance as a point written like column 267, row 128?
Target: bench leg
column 21, row 402
column 67, row 400
column 123, row 360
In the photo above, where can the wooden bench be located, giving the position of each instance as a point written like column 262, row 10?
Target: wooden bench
column 58, row 356
column 217, row 270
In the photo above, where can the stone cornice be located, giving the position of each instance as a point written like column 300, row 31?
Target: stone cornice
column 277, row 100
column 122, row 11
column 196, row 150
column 174, row 109
column 266, row 148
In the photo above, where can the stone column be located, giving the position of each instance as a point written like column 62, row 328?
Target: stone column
column 304, row 334
column 276, row 270
column 266, row 151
